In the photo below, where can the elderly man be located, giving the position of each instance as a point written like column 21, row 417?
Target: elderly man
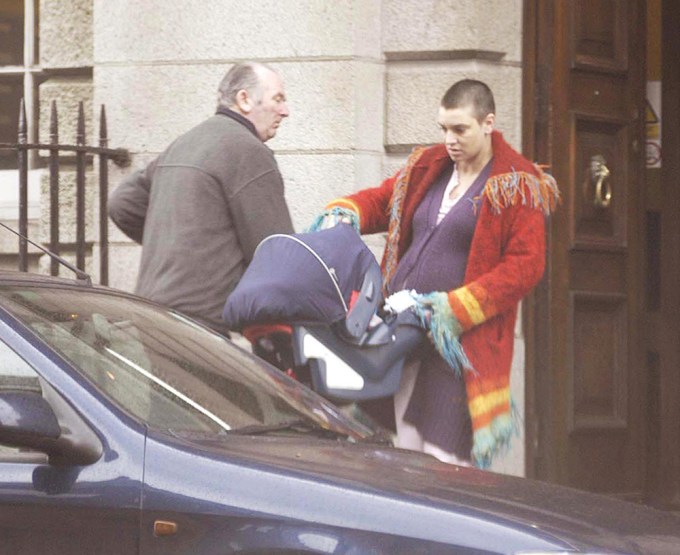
column 201, row 207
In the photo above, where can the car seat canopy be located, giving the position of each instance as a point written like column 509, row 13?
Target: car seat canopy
column 303, row 278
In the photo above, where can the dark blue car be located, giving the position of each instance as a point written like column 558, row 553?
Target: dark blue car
column 127, row 428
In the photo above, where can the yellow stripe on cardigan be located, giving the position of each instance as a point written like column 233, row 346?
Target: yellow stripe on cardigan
column 463, row 298
column 486, row 403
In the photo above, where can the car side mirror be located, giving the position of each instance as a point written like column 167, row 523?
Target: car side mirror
column 27, row 420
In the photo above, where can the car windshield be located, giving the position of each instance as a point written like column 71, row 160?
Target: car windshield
column 164, row 369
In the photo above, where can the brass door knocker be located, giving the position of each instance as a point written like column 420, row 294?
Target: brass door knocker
column 599, row 176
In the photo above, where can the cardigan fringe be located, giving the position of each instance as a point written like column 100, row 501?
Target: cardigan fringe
column 508, row 189
column 337, row 212
column 435, row 313
column 396, row 207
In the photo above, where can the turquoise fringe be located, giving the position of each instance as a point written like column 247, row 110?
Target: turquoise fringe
column 435, row 314
column 338, row 213
column 495, row 439
column 492, row 440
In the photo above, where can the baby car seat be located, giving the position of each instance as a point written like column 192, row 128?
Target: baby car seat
column 327, row 286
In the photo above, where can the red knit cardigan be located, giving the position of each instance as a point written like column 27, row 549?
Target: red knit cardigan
column 506, row 260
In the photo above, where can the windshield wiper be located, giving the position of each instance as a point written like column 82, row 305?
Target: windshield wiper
column 298, row 425
column 379, row 438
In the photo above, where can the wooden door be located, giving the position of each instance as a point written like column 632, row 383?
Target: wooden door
column 587, row 385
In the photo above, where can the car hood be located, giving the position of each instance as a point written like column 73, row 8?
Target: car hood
column 578, row 519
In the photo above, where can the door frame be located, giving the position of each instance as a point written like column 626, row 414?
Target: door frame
column 663, row 484
column 536, row 145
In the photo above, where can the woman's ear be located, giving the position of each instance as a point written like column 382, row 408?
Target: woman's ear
column 488, row 123
column 243, row 101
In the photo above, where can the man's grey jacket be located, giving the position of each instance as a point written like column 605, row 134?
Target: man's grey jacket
column 200, row 209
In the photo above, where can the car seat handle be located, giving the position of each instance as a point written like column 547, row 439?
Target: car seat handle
column 366, row 304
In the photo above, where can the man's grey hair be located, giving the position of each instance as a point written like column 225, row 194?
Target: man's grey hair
column 241, row 76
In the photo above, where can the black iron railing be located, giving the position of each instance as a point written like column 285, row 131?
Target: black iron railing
column 83, row 153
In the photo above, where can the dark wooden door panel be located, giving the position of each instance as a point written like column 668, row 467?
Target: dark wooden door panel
column 591, row 397
column 599, row 140
column 599, row 37
column 599, row 377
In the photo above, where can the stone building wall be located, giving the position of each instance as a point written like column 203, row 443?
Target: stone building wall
column 363, row 77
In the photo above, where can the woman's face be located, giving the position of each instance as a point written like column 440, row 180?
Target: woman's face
column 464, row 136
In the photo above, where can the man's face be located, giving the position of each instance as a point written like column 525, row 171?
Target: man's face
column 267, row 113
column 465, row 137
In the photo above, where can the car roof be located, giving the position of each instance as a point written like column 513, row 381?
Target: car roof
column 30, row 279
column 11, row 277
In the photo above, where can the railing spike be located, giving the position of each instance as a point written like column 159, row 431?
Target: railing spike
column 103, row 201
column 80, row 134
column 54, row 189
column 54, row 123
column 23, row 126
column 22, row 161
column 103, row 131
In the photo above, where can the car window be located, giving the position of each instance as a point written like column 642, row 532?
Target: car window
column 15, row 375
column 162, row 368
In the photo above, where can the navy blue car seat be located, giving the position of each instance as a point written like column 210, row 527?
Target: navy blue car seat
column 328, row 286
